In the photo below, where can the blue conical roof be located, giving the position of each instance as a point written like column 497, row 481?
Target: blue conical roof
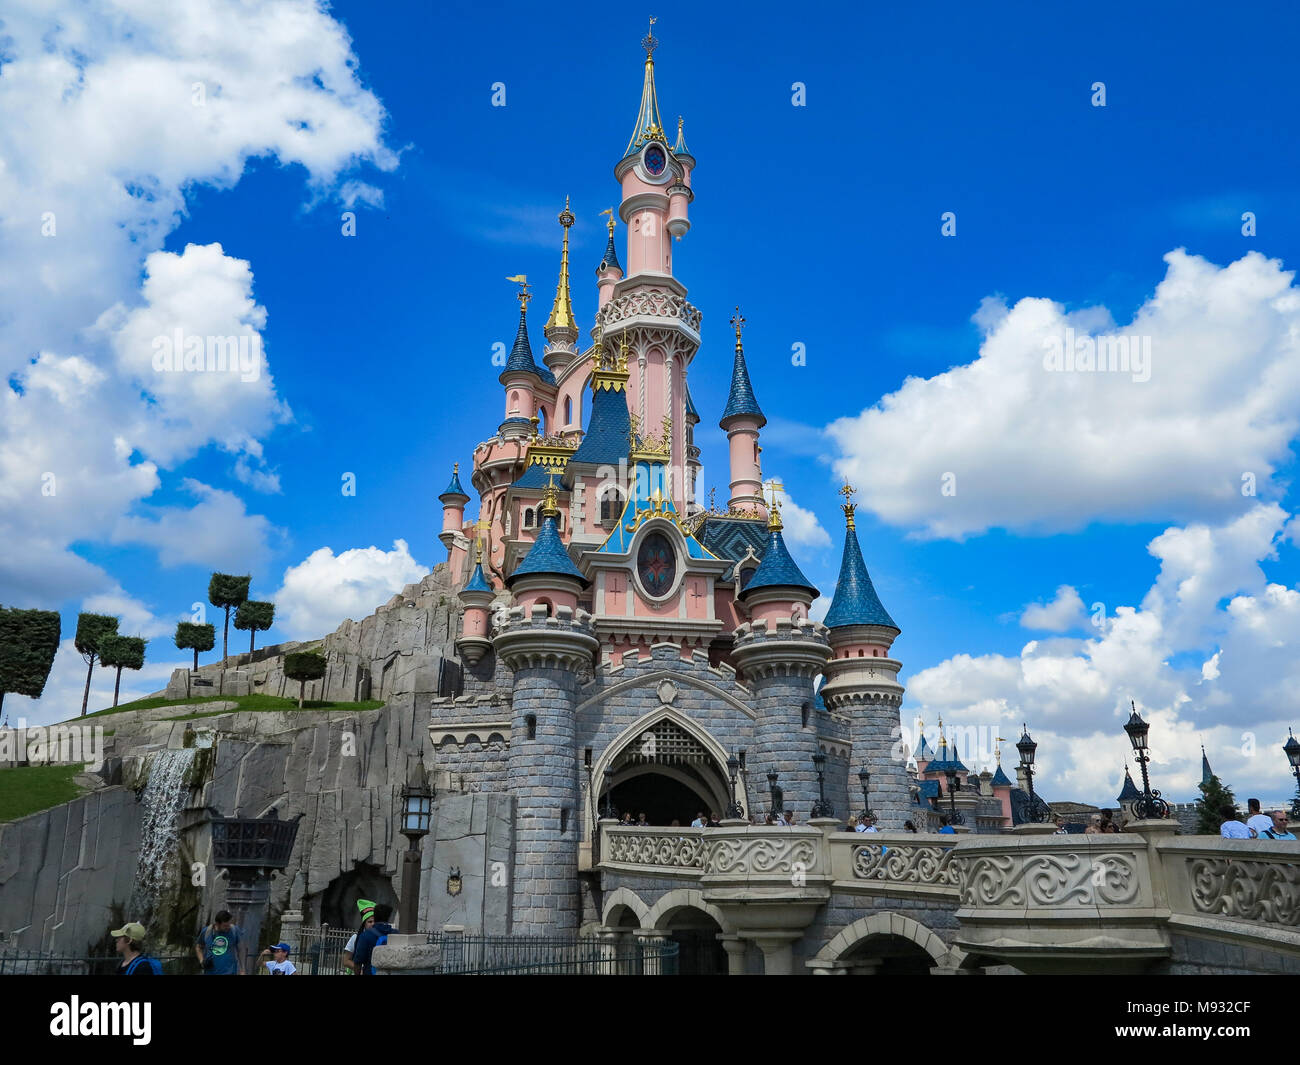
column 692, row 414
column 778, row 569
column 741, row 399
column 547, row 555
column 477, row 582
column 521, row 354
column 1206, row 771
column 924, row 752
column 1129, row 790
column 454, row 489
column 1000, row 778
column 611, row 256
column 855, row 601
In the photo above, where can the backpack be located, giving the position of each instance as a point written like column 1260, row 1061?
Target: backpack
column 154, row 964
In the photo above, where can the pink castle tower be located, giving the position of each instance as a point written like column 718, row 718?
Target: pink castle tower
column 741, row 420
column 453, row 502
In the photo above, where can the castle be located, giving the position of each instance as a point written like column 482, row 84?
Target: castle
column 620, row 641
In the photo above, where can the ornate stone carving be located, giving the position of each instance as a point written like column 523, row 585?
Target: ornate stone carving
column 1070, row 879
column 1250, row 890
column 647, row 302
column 907, row 865
column 730, row 856
column 674, row 851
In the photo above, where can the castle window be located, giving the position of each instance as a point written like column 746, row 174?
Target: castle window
column 568, row 410
column 564, row 820
column 531, row 722
column 804, row 710
column 611, row 505
column 528, row 518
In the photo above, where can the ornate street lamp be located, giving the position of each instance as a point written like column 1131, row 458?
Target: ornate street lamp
column 864, row 778
column 735, row 811
column 1027, row 747
column 417, row 813
column 954, row 818
column 1292, row 749
column 1150, row 805
column 821, row 808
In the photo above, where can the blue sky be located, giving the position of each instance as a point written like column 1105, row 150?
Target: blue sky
column 822, row 221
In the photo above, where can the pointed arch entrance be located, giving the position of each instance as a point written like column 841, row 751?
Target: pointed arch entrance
column 666, row 767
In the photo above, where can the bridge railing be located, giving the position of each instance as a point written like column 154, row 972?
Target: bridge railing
column 676, row 852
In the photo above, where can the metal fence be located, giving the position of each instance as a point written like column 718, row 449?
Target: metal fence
column 50, row 963
column 553, row 955
column 320, row 951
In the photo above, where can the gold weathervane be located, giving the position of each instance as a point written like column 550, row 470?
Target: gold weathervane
column 524, row 295
column 738, row 324
column 609, row 211
column 776, row 489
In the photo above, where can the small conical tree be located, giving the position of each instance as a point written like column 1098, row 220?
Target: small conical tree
column 91, row 628
column 121, row 652
column 1215, row 795
column 197, row 637
column 303, row 666
column 225, row 591
column 254, row 617
column 29, row 639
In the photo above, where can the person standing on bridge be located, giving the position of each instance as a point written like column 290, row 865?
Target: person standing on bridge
column 1278, row 827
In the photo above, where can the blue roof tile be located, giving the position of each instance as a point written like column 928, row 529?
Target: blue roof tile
column 538, row 476
column 778, row 569
column 1129, row 791
column 610, row 257
column 477, row 582
column 1000, row 779
column 547, row 556
column 521, row 355
column 855, row 601
column 741, row 399
column 608, row 428
column 929, row 789
column 454, row 489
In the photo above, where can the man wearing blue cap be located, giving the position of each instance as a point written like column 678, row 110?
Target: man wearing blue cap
column 279, row 965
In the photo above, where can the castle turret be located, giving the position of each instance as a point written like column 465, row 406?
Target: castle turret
column 862, row 680
column 780, row 653
column 522, row 377
column 1002, row 785
column 453, row 502
column 610, row 271
column 476, row 599
column 679, row 192
column 561, row 329
column 549, row 648
column 741, row 420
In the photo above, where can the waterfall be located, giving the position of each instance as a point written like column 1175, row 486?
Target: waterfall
column 163, row 797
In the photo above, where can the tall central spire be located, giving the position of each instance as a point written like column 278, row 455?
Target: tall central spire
column 649, row 126
column 561, row 318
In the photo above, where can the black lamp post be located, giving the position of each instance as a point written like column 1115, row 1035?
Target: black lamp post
column 864, row 778
column 778, row 805
column 417, row 812
column 954, row 818
column 1150, row 805
column 821, row 808
column 607, row 810
column 735, row 811
column 251, row 850
column 1027, row 747
column 1292, row 749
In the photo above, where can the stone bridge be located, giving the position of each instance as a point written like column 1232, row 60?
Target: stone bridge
column 813, row 898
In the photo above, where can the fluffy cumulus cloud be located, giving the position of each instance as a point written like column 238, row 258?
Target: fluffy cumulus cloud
column 1208, row 657
column 325, row 589
column 1063, row 613
column 802, row 528
column 119, row 110
column 1199, row 410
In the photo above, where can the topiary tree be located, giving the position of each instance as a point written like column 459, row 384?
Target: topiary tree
column 254, row 617
column 122, row 652
column 225, row 591
column 303, row 666
column 1209, row 807
column 91, row 628
column 198, row 637
column 29, row 640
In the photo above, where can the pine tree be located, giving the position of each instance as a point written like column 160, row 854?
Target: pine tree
column 226, row 590
column 29, row 640
column 1209, row 807
column 91, row 628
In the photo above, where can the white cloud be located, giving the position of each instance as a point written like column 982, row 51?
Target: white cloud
column 325, row 589
column 1039, row 451
column 801, row 527
column 1212, row 603
column 217, row 531
column 1063, row 613
column 124, row 109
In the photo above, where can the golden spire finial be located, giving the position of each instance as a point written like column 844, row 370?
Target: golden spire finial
column 649, row 126
column 848, row 506
column 562, row 310
column 550, row 505
column 610, row 222
column 775, row 488
column 943, row 742
column 649, row 42
column 455, row 467
column 524, row 295
column 482, row 525
column 738, row 324
column 535, row 422
column 998, row 749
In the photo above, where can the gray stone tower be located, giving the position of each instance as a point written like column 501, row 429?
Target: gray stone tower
column 862, row 681
column 781, row 652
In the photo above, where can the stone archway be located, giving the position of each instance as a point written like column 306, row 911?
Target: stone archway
column 925, row 946
column 683, row 917
column 621, row 902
